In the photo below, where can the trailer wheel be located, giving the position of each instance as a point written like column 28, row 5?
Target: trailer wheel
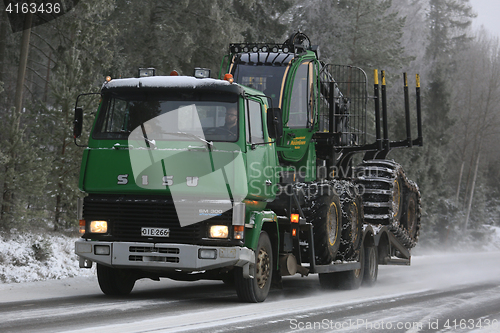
column 347, row 280
column 256, row 289
column 371, row 266
column 326, row 217
column 114, row 281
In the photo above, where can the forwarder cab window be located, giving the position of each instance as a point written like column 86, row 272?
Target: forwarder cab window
column 302, row 99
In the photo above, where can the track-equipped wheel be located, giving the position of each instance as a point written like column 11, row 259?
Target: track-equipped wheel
column 256, row 289
column 382, row 184
column 411, row 214
column 352, row 221
column 390, row 198
column 326, row 217
column 371, row 266
column 348, row 280
column 114, row 281
column 397, row 198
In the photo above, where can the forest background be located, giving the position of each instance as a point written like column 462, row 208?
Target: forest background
column 457, row 169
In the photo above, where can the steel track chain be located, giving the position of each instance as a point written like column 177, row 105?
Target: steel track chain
column 376, row 177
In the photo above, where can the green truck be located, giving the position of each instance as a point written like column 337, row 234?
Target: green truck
column 263, row 173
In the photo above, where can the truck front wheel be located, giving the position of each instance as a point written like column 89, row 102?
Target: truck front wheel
column 114, row 281
column 256, row 289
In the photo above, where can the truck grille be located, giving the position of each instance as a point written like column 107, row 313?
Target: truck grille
column 154, row 258
column 126, row 216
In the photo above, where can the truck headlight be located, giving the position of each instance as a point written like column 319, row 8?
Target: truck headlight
column 219, row 231
column 98, row 227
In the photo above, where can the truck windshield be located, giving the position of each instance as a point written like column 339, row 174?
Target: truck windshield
column 267, row 79
column 159, row 118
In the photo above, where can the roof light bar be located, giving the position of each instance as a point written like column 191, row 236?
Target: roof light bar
column 257, row 47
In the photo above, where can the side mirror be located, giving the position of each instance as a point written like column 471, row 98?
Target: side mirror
column 275, row 123
column 78, row 122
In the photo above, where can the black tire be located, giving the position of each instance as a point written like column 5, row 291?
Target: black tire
column 256, row 290
column 326, row 217
column 347, row 280
column 114, row 281
column 410, row 219
column 370, row 274
column 352, row 223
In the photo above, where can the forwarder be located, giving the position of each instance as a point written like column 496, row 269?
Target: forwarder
column 247, row 178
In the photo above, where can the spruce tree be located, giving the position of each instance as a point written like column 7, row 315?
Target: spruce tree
column 363, row 33
column 448, row 21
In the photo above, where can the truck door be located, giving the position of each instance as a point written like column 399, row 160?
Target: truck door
column 300, row 101
column 261, row 154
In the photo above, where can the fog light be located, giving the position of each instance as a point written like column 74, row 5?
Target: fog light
column 99, row 227
column 219, row 231
column 81, row 247
column 207, row 253
column 102, row 250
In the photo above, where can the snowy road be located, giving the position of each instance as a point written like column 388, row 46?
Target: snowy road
column 438, row 293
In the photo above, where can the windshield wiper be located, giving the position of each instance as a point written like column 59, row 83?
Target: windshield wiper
column 210, row 143
column 145, row 137
column 151, row 142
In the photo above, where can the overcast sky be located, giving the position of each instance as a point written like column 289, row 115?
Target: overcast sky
column 488, row 15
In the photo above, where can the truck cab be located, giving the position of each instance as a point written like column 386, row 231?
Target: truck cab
column 178, row 171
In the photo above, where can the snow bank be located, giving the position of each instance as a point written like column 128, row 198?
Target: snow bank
column 29, row 257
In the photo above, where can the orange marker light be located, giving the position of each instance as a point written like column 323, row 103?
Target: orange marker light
column 229, row 78
column 239, row 231
column 174, row 73
column 82, row 226
column 294, row 232
column 294, row 218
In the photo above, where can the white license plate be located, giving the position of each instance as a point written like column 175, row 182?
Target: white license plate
column 155, row 232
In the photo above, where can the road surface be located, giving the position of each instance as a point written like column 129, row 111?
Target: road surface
column 437, row 293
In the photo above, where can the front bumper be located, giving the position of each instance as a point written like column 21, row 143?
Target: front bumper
column 162, row 256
